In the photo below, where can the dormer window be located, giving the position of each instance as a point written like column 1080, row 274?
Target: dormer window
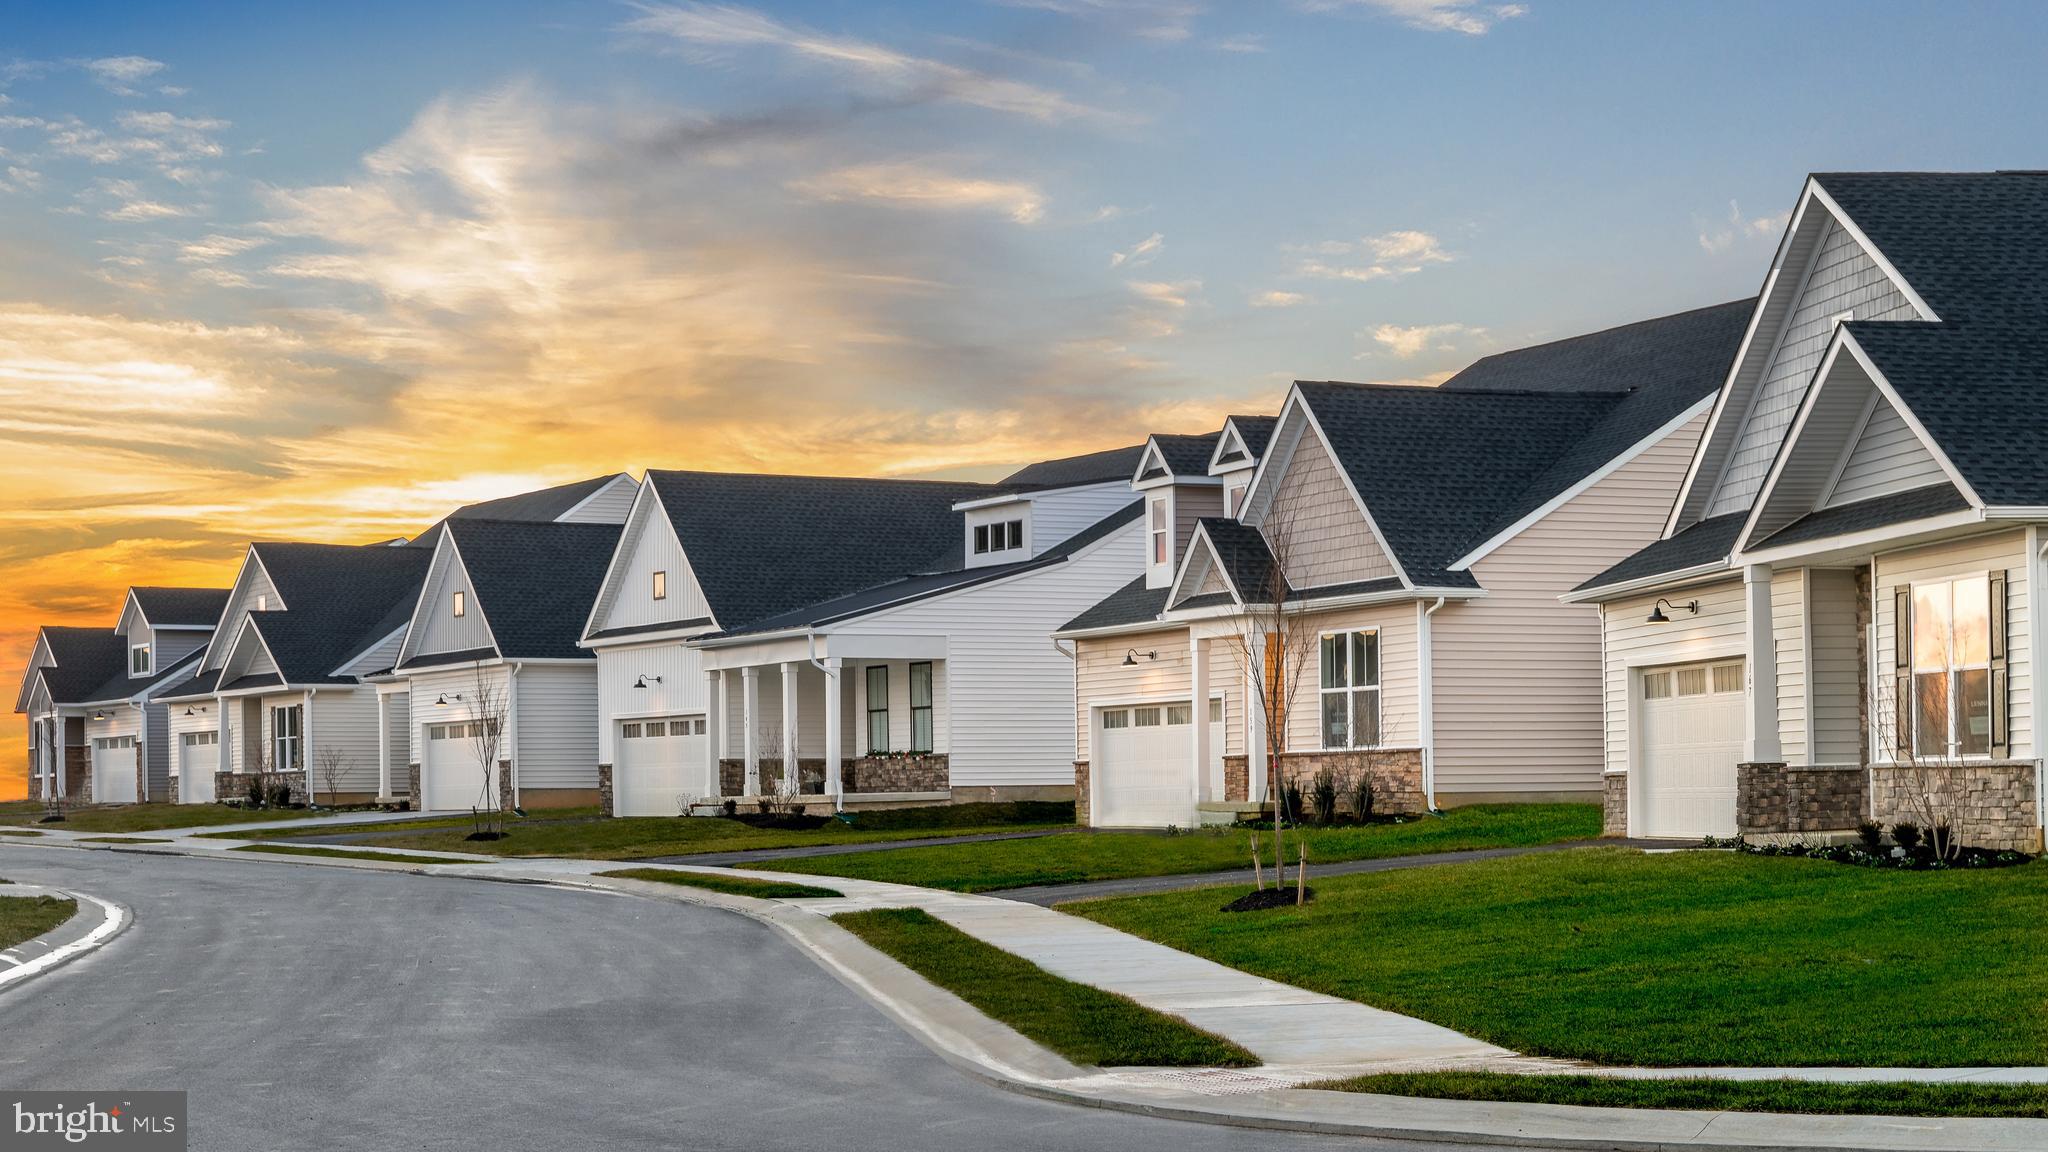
column 1008, row 535
column 1161, row 533
column 1233, row 500
column 461, row 603
column 661, row 585
column 138, row 660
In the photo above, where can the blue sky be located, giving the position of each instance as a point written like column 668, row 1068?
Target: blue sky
column 318, row 271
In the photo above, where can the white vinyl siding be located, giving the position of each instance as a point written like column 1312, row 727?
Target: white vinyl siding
column 675, row 681
column 1103, row 677
column 1517, row 673
column 1631, row 641
column 609, row 505
column 1887, row 459
column 252, row 588
column 1833, row 655
column 649, row 545
column 171, row 647
column 1789, row 640
column 554, row 740
column 810, row 717
column 1843, row 278
column 436, row 628
column 1977, row 555
column 1057, row 516
column 1331, row 541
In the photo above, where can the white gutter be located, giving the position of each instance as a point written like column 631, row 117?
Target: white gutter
column 512, row 723
column 1426, row 721
column 1660, row 581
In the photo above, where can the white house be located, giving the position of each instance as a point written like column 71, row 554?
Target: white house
column 888, row 636
column 1837, row 624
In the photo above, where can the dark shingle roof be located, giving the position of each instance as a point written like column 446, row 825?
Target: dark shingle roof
column 924, row 586
column 1246, row 560
column 178, row 607
column 535, row 583
column 1255, row 431
column 85, row 659
column 1980, row 390
column 765, row 545
column 1093, row 468
column 338, row 598
column 1707, row 542
column 1863, row 515
column 1974, row 245
column 121, row 686
column 1185, row 455
column 537, row 507
column 1131, row 604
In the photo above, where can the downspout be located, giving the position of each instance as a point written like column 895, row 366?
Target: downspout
column 831, row 694
column 1428, row 718
column 512, row 723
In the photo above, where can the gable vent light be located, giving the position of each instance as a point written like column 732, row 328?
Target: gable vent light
column 1657, row 615
column 642, row 682
column 1131, row 657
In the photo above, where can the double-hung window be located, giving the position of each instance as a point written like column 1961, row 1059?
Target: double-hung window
column 1159, row 529
column 878, row 708
column 284, row 732
column 921, row 707
column 1351, row 689
column 1954, row 677
column 138, row 660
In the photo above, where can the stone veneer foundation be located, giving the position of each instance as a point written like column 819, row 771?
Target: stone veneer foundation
column 604, row 790
column 930, row 772
column 1396, row 773
column 1994, row 803
column 235, row 785
column 1614, row 804
column 1776, row 797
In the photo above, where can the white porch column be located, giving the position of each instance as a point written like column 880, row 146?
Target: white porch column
column 1198, row 678
column 306, row 747
column 834, row 720
column 1760, row 743
column 383, row 746
column 790, row 775
column 1254, row 739
column 224, row 750
column 57, row 751
column 750, row 726
column 714, row 729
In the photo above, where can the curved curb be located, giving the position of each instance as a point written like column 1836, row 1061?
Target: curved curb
column 114, row 919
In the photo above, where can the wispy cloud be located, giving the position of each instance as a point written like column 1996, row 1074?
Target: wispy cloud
column 210, row 249
column 1469, row 17
column 901, row 75
column 1166, row 20
column 1140, row 254
column 118, row 73
column 919, row 186
column 1387, row 256
column 1277, row 299
column 1243, row 43
column 1720, row 236
column 1410, row 342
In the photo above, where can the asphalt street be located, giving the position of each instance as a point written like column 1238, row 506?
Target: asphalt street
column 306, row 1007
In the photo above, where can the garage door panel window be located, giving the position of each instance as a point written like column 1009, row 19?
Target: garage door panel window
column 1146, row 717
column 1116, row 718
column 1350, row 683
column 1954, row 681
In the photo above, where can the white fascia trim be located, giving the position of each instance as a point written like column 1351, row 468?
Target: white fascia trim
column 1603, row 472
column 998, row 501
column 1153, row 625
column 1251, row 488
column 1187, row 559
column 419, row 600
column 1659, row 582
column 633, row 525
column 1230, row 438
column 601, row 490
column 1306, row 606
column 1827, row 491
column 1146, row 460
column 1906, row 413
column 366, row 649
column 129, row 602
column 2017, row 512
column 235, row 596
column 1815, row 384
column 248, row 626
column 1873, row 538
column 647, row 639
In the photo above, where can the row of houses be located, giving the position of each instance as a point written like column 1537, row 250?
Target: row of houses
column 1758, row 567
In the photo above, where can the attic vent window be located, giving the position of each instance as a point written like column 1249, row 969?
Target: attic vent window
column 461, row 603
column 1002, row 537
column 661, row 585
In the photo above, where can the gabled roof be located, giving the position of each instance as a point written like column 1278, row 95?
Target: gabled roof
column 1255, row 431
column 761, row 546
column 82, row 660
column 1177, row 456
column 342, row 598
column 181, row 607
column 1708, row 542
column 925, row 586
column 1974, row 245
column 1241, row 552
column 1864, row 515
column 1074, row 471
column 1131, row 604
column 1981, row 391
column 534, row 582
column 537, row 507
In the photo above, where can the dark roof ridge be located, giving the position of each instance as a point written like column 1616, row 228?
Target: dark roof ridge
column 829, row 479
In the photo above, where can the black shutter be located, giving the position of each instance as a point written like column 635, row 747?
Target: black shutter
column 2001, row 727
column 1902, row 673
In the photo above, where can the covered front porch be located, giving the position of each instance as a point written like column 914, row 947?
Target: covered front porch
column 851, row 719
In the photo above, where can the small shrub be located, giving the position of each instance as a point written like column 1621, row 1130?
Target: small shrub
column 1906, row 836
column 732, row 807
column 281, row 795
column 1323, row 794
column 257, row 794
column 1870, row 834
column 1362, row 796
column 1293, row 794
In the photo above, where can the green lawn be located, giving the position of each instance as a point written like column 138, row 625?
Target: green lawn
column 1117, row 855
column 1690, row 958
column 1083, row 1024
column 19, row 832
column 638, row 837
column 345, row 854
column 27, row 917
column 1714, row 1095
column 145, row 817
column 465, row 822
column 730, row 885
column 124, row 840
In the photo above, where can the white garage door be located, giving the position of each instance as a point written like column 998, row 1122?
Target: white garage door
column 1692, row 726
column 1141, row 761
column 451, row 778
column 113, row 770
column 198, row 760
column 659, row 763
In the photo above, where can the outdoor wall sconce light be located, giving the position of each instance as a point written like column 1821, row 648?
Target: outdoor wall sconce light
column 443, row 701
column 191, row 709
column 98, row 715
column 1657, row 615
column 1131, row 657
column 642, row 682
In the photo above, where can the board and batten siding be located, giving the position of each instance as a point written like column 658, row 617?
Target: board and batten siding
column 1842, row 278
column 652, row 547
column 437, row 627
column 2001, row 552
column 1517, row 672
column 1057, row 516
column 555, row 734
column 1888, row 458
column 1400, row 703
column 1717, row 632
column 609, row 505
column 676, row 686
column 1008, row 693
column 1331, row 541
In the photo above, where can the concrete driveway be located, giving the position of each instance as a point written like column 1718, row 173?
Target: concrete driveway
column 312, row 1007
